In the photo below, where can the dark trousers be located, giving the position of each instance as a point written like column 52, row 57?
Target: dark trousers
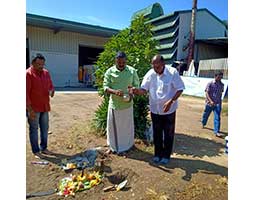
column 163, row 134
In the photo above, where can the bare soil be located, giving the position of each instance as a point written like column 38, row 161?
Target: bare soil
column 198, row 169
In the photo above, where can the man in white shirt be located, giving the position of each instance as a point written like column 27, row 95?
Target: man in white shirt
column 164, row 86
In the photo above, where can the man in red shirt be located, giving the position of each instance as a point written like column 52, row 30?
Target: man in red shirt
column 38, row 89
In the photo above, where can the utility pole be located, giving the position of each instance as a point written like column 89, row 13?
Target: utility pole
column 192, row 33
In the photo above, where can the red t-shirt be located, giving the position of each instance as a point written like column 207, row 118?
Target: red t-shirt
column 38, row 85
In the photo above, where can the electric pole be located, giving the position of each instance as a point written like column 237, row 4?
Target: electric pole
column 192, row 33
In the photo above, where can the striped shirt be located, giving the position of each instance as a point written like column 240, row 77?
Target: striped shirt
column 215, row 90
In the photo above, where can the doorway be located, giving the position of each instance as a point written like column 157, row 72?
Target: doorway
column 87, row 60
column 88, row 55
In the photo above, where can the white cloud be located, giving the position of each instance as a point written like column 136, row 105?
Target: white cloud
column 94, row 19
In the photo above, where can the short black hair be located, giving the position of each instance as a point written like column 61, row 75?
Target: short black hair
column 218, row 73
column 120, row 54
column 38, row 56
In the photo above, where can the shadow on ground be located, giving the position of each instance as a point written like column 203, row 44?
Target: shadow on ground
column 56, row 158
column 190, row 166
column 196, row 146
column 190, row 146
column 186, row 145
column 223, row 132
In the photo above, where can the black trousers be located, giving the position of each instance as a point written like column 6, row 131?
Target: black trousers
column 163, row 134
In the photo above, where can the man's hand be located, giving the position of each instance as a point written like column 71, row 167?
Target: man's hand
column 31, row 114
column 52, row 92
column 167, row 105
column 130, row 90
column 137, row 91
column 212, row 103
column 119, row 93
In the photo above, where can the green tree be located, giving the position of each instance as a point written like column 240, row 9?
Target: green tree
column 136, row 41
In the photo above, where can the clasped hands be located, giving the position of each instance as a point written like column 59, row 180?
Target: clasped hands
column 137, row 91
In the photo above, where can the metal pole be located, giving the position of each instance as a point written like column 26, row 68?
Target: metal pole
column 192, row 33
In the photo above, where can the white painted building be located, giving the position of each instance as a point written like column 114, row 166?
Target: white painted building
column 66, row 45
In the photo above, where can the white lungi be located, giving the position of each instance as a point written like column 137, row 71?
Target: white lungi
column 124, row 122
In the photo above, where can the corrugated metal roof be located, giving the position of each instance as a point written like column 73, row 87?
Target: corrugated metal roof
column 65, row 25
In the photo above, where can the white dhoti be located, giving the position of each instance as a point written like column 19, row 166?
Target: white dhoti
column 120, row 129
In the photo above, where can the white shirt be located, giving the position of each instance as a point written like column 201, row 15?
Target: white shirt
column 162, row 88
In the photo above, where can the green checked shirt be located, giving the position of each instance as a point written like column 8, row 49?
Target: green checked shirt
column 120, row 80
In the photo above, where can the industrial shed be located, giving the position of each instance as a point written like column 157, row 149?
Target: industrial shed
column 66, row 45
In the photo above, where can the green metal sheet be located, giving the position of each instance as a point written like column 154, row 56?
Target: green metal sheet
column 170, row 55
column 164, row 26
column 165, row 36
column 171, row 15
column 167, row 46
column 153, row 11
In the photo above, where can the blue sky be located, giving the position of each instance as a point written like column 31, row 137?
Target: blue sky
column 114, row 13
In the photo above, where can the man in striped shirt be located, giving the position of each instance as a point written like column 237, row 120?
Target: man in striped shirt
column 213, row 91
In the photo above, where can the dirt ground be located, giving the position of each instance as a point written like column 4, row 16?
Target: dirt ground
column 198, row 169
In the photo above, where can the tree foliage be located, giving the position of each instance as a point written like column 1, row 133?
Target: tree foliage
column 136, row 41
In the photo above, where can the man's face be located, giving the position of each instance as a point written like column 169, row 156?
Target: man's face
column 121, row 62
column 39, row 64
column 218, row 78
column 158, row 66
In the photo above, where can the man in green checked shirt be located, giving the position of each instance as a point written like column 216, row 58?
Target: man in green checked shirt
column 120, row 122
